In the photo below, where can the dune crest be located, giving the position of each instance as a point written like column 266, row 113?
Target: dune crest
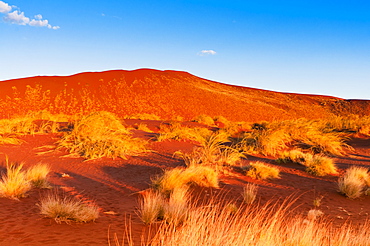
column 164, row 93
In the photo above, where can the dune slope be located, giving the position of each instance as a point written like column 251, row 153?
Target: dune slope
column 164, row 93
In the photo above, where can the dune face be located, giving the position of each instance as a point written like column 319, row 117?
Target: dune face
column 164, row 93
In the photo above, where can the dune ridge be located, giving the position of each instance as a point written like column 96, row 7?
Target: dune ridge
column 166, row 94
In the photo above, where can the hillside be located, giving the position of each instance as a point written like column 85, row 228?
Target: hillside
column 164, row 93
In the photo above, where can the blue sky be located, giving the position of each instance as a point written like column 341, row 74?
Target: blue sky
column 315, row 47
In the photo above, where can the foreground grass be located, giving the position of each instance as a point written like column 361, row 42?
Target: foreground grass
column 217, row 225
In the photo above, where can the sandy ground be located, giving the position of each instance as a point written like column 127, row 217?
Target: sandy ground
column 114, row 186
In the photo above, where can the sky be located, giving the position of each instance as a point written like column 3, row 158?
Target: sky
column 311, row 47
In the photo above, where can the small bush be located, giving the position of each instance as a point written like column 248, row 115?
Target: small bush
column 353, row 182
column 37, row 175
column 64, row 208
column 14, row 184
column 259, row 170
column 249, row 193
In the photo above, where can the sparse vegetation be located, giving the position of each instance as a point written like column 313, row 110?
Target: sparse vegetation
column 354, row 182
column 260, row 170
column 66, row 208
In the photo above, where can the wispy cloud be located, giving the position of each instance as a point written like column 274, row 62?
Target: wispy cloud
column 17, row 17
column 207, row 52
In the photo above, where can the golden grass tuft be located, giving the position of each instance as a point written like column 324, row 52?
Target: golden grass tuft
column 65, row 208
column 320, row 165
column 176, row 131
column 182, row 177
column 260, row 170
column 14, row 184
column 37, row 175
column 354, row 182
column 101, row 134
column 204, row 119
column 151, row 206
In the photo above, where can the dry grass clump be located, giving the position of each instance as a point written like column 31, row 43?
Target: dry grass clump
column 260, row 170
column 182, row 177
column 151, row 206
column 38, row 175
column 354, row 182
column 176, row 131
column 155, row 206
column 101, row 134
column 272, row 138
column 14, row 184
column 65, row 208
column 17, row 182
column 143, row 127
column 249, row 193
column 213, row 152
column 204, row 119
column 264, row 141
column 318, row 165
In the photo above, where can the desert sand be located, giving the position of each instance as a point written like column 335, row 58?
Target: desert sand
column 115, row 184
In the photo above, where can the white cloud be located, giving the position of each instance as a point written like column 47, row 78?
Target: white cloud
column 207, row 52
column 18, row 17
column 4, row 7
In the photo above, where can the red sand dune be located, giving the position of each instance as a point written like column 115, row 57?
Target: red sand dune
column 165, row 93
column 113, row 184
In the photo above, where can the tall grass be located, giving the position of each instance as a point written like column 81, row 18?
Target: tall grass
column 255, row 225
column 101, row 134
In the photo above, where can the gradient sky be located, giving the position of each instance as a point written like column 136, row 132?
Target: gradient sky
column 315, row 47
